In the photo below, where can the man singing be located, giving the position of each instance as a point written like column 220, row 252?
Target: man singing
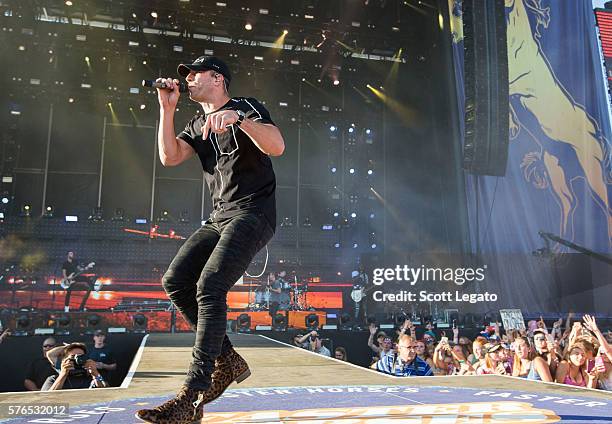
column 234, row 139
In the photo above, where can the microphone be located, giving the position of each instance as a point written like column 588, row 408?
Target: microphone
column 154, row 84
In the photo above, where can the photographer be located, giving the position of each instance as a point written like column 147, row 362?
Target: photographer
column 77, row 371
column 314, row 343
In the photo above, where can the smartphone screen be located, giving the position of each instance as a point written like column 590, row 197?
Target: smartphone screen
column 590, row 365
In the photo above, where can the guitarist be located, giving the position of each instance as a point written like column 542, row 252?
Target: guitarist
column 72, row 279
column 359, row 293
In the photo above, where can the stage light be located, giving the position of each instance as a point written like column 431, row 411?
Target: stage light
column 372, row 215
column 70, row 100
column 96, row 214
column 333, row 170
column 184, row 216
column 351, row 130
column 71, row 218
column 336, row 82
column 352, row 171
column 26, row 211
column 370, row 172
column 133, row 15
column 287, row 222
column 373, row 246
column 62, row 325
column 306, row 223
column 143, row 106
column 355, row 245
column 140, row 323
column 22, row 325
column 353, row 215
column 244, row 323
column 279, row 323
column 312, row 322
column 119, row 215
column 164, row 217
column 285, row 32
column 68, row 3
column 92, row 322
column 248, row 27
column 332, row 128
column 368, row 131
column 5, row 200
column 144, row 62
column 337, row 245
column 336, row 214
column 154, row 15
column 48, row 212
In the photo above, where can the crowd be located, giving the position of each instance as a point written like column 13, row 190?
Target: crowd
column 577, row 355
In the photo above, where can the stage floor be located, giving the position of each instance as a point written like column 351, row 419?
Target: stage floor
column 291, row 385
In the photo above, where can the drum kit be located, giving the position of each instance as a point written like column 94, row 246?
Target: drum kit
column 291, row 298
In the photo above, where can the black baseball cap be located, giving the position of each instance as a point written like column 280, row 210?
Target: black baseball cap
column 205, row 63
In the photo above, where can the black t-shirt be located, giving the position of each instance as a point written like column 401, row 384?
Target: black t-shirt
column 81, row 381
column 239, row 175
column 104, row 355
column 38, row 370
column 274, row 296
column 70, row 267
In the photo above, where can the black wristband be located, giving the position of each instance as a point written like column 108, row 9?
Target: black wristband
column 241, row 117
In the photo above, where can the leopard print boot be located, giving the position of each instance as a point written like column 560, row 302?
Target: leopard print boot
column 228, row 368
column 184, row 408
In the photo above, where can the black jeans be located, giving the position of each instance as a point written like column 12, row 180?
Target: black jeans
column 81, row 283
column 203, row 271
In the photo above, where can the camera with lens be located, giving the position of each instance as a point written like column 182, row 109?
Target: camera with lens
column 79, row 364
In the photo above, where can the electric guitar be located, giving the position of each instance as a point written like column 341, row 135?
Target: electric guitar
column 69, row 280
column 358, row 294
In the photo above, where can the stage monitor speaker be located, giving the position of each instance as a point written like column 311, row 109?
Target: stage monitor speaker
column 485, row 149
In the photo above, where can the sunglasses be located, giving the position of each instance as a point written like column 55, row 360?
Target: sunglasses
column 48, row 346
